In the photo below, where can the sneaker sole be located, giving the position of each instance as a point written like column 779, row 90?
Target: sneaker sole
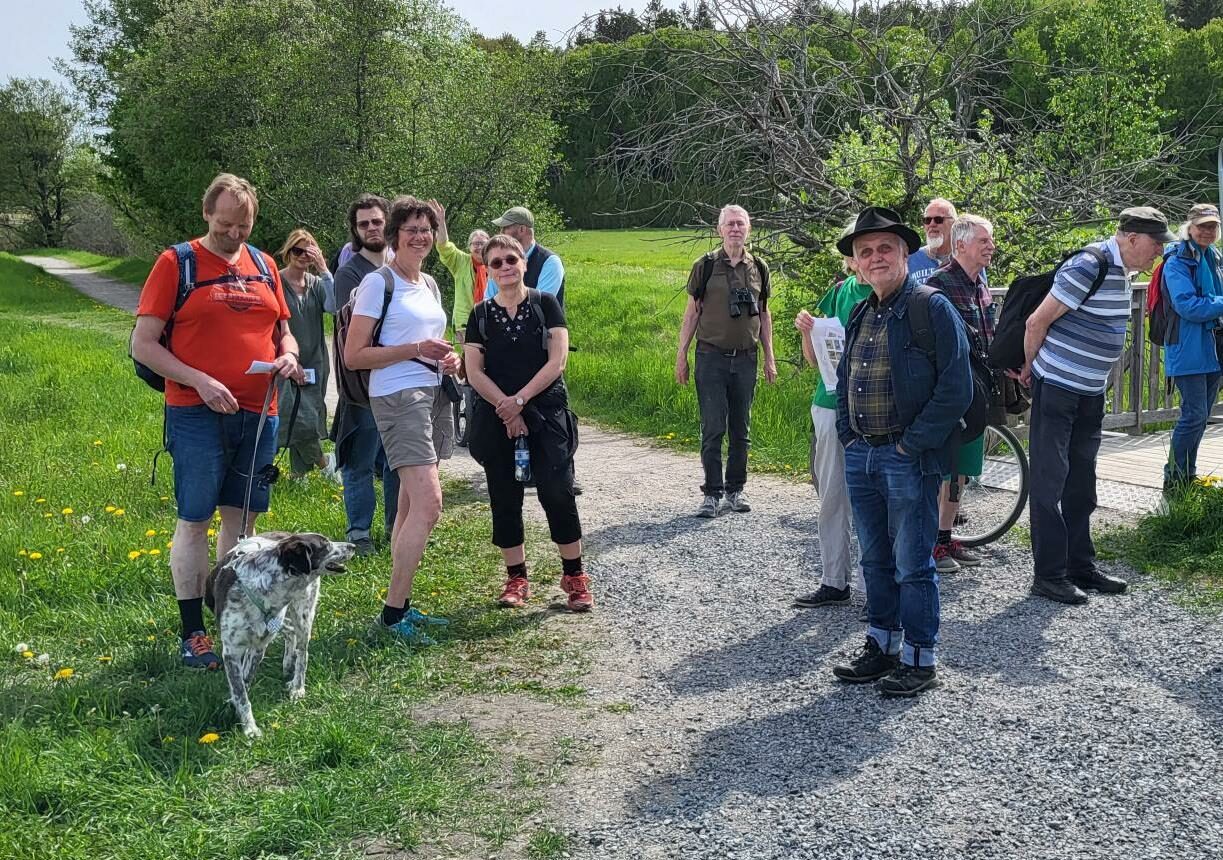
column 798, row 604
column 703, row 515
column 582, row 607
column 510, row 604
column 947, row 568
column 891, row 693
column 862, row 679
column 962, row 563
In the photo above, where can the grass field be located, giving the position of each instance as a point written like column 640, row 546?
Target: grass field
column 109, row 749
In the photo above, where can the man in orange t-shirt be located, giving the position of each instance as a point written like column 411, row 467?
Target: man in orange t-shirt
column 235, row 315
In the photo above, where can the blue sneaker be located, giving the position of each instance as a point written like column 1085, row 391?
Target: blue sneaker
column 410, row 628
column 197, row 652
column 417, row 617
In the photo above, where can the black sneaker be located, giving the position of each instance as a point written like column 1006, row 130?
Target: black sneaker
column 825, row 595
column 1093, row 580
column 909, row 681
column 869, row 664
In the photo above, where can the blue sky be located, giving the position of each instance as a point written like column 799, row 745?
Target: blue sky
column 35, row 31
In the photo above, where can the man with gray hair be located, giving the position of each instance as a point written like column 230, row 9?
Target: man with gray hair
column 1070, row 344
column 937, row 222
column 962, row 280
column 728, row 313
column 545, row 271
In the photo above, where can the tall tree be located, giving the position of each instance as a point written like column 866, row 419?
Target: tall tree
column 44, row 163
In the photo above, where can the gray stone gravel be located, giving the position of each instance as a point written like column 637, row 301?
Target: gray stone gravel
column 1059, row 732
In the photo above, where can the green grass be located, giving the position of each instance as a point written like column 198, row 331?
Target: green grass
column 130, row 270
column 1182, row 544
column 108, row 762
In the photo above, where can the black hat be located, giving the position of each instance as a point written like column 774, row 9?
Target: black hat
column 878, row 219
column 1144, row 219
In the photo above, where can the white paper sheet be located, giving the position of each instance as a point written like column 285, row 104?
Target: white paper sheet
column 828, row 341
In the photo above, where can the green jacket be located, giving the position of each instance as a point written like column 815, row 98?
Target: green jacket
column 458, row 262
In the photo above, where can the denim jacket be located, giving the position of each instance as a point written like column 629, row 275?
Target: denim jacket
column 1191, row 290
column 930, row 398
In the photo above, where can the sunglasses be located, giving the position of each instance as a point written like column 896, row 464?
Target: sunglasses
column 299, row 252
column 935, row 219
column 498, row 262
column 363, row 225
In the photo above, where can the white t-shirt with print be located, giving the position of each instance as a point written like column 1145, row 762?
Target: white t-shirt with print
column 412, row 316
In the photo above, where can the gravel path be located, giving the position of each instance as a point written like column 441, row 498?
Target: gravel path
column 717, row 730
column 1059, row 732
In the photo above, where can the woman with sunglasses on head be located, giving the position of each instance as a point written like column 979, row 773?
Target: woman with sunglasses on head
column 406, row 355
column 304, row 408
column 515, row 352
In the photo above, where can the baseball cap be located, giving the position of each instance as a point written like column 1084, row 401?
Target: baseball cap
column 517, row 215
column 1145, row 219
column 1204, row 213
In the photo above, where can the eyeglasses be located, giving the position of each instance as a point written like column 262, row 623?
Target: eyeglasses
column 416, row 231
column 498, row 262
column 299, row 252
column 375, row 222
column 935, row 219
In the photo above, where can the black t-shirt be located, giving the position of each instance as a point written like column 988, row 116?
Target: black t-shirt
column 513, row 344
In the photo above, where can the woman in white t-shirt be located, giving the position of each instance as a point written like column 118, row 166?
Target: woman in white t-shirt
column 412, row 413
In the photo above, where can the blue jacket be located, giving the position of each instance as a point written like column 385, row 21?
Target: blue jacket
column 930, row 398
column 1195, row 298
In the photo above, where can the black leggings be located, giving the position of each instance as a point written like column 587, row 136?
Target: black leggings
column 554, row 487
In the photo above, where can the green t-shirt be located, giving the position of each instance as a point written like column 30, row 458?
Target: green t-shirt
column 838, row 302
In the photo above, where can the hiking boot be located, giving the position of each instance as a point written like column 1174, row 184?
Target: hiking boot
column 1061, row 589
column 737, row 502
column 869, row 664
column 578, row 589
column 908, row 681
column 515, row 593
column 1093, row 580
column 962, row 556
column 708, row 508
column 825, row 595
column 364, row 547
column 197, row 652
column 944, row 562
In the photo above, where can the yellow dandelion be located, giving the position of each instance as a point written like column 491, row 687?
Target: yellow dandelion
column 29, row 655
column 105, row 658
column 169, row 544
column 18, row 492
column 209, row 738
column 151, row 533
column 133, row 555
column 47, row 516
column 165, row 498
column 66, row 511
column 21, row 552
column 163, row 532
column 97, row 442
column 212, row 533
column 275, row 725
column 154, row 552
column 59, row 549
column 109, row 508
column 119, row 512
column 40, row 500
column 64, row 674
column 151, row 638
column 35, row 556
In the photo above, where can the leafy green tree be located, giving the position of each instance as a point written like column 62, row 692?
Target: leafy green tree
column 45, row 164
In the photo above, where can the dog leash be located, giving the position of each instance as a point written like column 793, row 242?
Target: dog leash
column 250, row 475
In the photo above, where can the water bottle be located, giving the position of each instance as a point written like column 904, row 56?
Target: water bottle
column 522, row 461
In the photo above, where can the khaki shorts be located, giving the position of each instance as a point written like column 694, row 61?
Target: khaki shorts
column 416, row 425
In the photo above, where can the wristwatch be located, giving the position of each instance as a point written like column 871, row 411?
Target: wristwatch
column 519, row 401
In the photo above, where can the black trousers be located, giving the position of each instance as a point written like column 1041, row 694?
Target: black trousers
column 725, row 388
column 553, row 486
column 1063, row 441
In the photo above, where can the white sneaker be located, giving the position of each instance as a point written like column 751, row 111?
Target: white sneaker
column 737, row 502
column 708, row 508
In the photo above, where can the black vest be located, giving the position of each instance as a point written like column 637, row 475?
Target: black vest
column 535, row 265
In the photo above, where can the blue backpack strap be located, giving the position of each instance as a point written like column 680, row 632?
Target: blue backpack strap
column 262, row 265
column 186, row 272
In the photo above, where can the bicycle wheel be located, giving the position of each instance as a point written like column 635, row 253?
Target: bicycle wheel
column 993, row 503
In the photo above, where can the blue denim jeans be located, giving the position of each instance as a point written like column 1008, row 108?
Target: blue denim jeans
column 359, row 498
column 895, row 510
column 1198, row 394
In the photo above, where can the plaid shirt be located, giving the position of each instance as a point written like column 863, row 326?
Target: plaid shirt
column 872, row 407
column 965, row 295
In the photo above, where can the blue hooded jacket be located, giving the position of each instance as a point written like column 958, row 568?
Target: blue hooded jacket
column 1193, row 277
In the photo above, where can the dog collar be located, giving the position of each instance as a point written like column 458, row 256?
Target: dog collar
column 271, row 623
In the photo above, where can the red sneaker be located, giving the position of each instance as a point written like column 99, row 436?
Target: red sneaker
column 516, row 592
column 578, row 589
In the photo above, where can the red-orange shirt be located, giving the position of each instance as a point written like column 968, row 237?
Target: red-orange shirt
column 221, row 328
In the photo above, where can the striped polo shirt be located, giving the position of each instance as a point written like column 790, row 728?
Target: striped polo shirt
column 1083, row 343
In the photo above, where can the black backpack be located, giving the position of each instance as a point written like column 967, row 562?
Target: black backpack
column 1023, row 297
column 187, row 284
column 537, row 310
column 985, row 394
column 707, row 273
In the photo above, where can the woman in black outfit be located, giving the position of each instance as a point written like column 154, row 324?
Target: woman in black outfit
column 514, row 361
